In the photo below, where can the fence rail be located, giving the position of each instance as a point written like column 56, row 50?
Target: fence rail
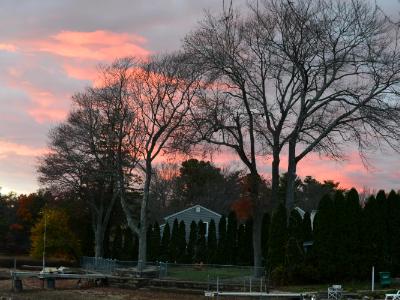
column 165, row 270
column 98, row 264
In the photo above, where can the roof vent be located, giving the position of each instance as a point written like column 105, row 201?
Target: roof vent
column 198, row 209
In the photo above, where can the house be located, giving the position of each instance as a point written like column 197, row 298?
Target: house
column 194, row 213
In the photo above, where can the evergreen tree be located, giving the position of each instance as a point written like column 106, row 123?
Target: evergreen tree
column 221, row 256
column 383, row 214
column 191, row 247
column 324, row 238
column 165, row 241
column 174, row 242
column 265, row 236
column 306, row 227
column 249, row 242
column 117, row 243
column 181, row 242
column 295, row 228
column 373, row 232
column 294, row 259
column 241, row 245
column 231, row 239
column 212, row 243
column 156, row 241
column 130, row 245
column 338, row 226
column 350, row 238
column 277, row 238
column 294, row 253
column 393, row 221
column 201, row 247
column 149, row 247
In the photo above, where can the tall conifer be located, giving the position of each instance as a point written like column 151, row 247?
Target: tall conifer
column 165, row 241
column 181, row 242
column 212, row 243
column 324, row 239
column 265, row 236
column 174, row 241
column 221, row 256
column 231, row 238
column 191, row 246
column 277, row 238
column 201, row 244
column 249, row 242
column 156, row 241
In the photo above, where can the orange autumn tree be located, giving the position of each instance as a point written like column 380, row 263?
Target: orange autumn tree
column 61, row 242
column 243, row 207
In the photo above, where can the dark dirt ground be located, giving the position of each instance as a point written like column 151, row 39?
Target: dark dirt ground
column 69, row 290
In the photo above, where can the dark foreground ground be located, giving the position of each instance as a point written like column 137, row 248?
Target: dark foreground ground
column 68, row 290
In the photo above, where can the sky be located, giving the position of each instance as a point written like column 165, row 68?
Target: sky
column 49, row 50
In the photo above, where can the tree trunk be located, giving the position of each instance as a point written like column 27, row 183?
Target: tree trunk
column 275, row 178
column 257, row 249
column 143, row 219
column 291, row 177
column 257, row 224
column 99, row 240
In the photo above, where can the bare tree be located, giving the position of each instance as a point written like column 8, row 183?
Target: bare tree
column 77, row 164
column 161, row 90
column 96, row 142
column 224, row 115
column 342, row 60
column 306, row 75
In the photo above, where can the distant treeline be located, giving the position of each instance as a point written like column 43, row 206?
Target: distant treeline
column 346, row 238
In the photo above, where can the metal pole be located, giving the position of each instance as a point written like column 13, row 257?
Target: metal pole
column 250, row 284
column 373, row 279
column 44, row 241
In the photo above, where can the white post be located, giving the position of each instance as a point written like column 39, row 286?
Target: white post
column 373, row 279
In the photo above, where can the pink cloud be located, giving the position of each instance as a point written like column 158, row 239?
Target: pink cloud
column 80, row 72
column 8, row 47
column 7, row 148
column 45, row 105
column 97, row 45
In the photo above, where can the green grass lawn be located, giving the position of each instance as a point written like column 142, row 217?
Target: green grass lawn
column 190, row 273
column 238, row 274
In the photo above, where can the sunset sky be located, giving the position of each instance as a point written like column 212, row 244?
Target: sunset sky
column 50, row 49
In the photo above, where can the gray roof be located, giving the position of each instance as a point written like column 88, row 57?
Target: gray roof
column 189, row 208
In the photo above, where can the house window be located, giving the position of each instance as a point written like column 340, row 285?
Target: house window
column 198, row 209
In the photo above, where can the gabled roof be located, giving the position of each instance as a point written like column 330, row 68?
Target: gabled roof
column 189, row 208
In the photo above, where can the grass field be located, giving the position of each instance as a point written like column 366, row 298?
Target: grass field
column 205, row 273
